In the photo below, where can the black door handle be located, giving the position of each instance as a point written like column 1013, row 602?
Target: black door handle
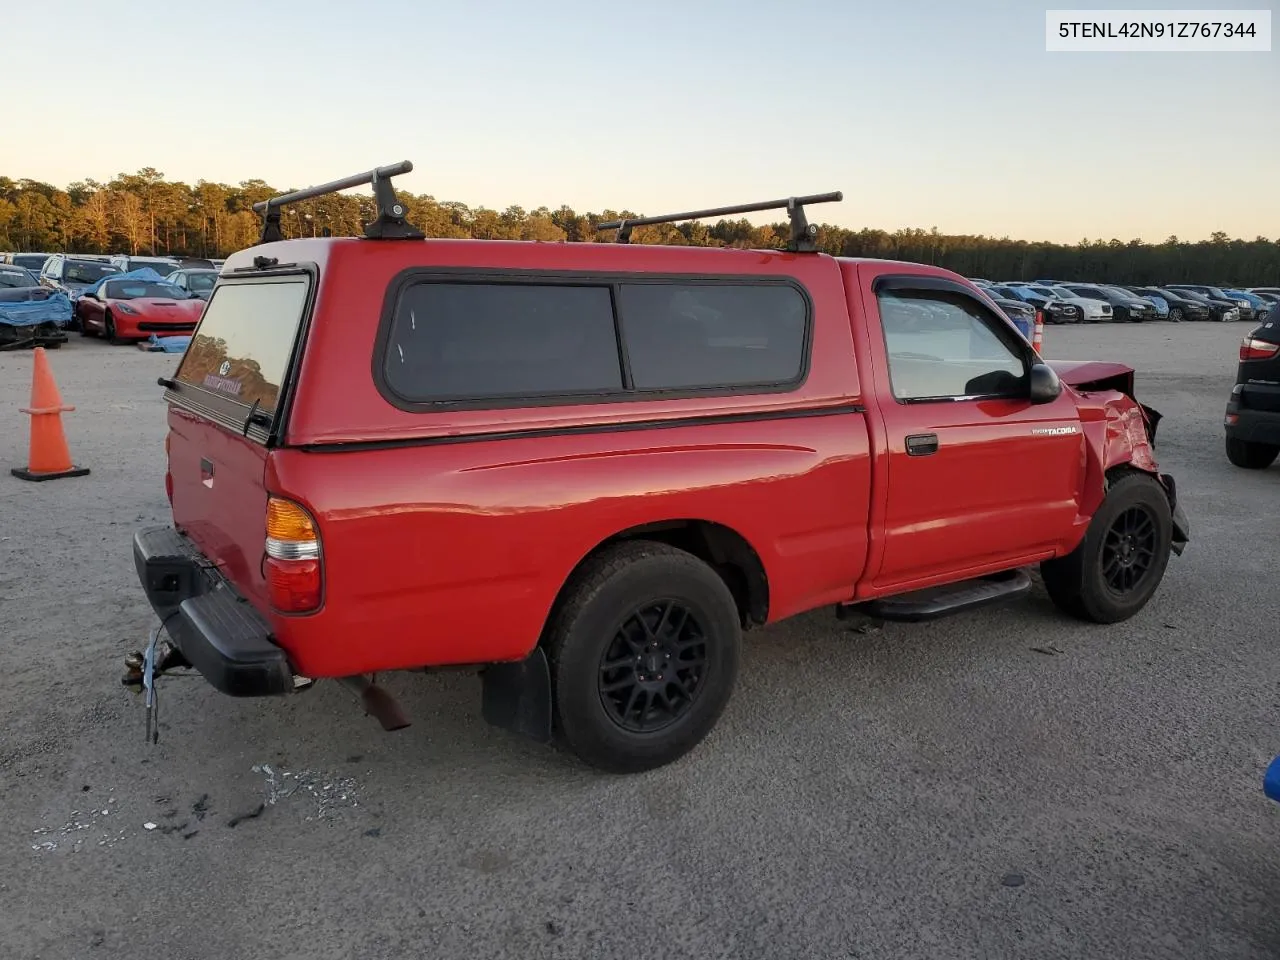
column 922, row 444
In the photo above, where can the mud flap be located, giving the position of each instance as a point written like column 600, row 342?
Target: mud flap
column 1181, row 526
column 517, row 696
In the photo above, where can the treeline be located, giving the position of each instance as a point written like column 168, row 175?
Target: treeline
column 142, row 213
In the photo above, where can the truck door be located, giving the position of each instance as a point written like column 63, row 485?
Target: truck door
column 978, row 474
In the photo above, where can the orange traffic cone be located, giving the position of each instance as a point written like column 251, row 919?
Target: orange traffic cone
column 49, row 457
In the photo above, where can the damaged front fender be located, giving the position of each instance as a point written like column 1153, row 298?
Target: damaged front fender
column 1121, row 432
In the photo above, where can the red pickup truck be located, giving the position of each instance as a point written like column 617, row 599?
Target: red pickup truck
column 585, row 468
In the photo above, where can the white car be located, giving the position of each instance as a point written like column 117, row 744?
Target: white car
column 1091, row 311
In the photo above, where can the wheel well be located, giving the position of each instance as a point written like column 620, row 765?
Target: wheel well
column 723, row 549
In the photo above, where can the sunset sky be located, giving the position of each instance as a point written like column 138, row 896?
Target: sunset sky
column 924, row 113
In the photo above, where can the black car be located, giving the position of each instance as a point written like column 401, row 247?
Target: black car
column 1055, row 311
column 1217, row 293
column 1222, row 310
column 15, row 277
column 1124, row 305
column 1181, row 307
column 1253, row 412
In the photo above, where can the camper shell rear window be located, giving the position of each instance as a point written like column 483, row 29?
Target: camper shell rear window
column 241, row 351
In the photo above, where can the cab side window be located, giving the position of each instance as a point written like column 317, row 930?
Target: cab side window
column 946, row 346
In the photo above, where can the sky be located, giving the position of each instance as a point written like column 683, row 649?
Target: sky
column 932, row 113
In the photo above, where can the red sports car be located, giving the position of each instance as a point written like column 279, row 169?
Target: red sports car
column 124, row 310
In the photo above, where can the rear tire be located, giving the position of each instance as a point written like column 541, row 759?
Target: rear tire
column 1251, row 456
column 644, row 650
column 1120, row 562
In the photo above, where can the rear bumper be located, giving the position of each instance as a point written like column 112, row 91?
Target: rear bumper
column 217, row 630
column 1252, row 426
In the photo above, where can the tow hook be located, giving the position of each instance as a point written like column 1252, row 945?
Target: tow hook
column 377, row 701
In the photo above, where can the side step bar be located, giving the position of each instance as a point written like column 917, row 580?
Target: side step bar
column 943, row 601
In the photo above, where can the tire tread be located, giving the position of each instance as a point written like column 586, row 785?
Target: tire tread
column 1068, row 579
column 598, row 573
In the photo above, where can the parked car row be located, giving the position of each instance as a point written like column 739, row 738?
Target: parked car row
column 118, row 297
column 35, row 261
column 1102, row 302
column 72, row 273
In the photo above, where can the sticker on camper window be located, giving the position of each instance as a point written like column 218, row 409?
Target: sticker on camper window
column 222, row 384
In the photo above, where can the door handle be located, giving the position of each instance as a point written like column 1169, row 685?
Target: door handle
column 922, row 444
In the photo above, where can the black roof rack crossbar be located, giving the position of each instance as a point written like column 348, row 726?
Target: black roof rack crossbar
column 803, row 233
column 390, row 224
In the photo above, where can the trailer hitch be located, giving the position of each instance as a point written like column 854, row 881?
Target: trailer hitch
column 144, row 668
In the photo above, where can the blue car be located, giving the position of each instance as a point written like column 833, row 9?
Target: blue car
column 1261, row 307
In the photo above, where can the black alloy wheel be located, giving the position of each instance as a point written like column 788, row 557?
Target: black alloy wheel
column 643, row 650
column 1129, row 549
column 651, row 673
column 1118, row 566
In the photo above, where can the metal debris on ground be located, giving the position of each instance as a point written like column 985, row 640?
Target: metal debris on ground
column 329, row 795
column 73, row 834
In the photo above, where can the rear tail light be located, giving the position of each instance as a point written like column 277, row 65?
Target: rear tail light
column 1254, row 349
column 293, row 571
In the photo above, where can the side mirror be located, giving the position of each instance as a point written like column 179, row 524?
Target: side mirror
column 1045, row 385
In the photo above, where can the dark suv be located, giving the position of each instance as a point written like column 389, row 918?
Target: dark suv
column 1253, row 412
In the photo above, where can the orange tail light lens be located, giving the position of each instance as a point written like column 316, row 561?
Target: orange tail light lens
column 293, row 571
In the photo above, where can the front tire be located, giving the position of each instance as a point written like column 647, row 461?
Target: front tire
column 1251, row 456
column 1120, row 562
column 644, row 651
column 1175, row 315
column 109, row 329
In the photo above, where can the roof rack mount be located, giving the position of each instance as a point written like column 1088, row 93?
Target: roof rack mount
column 803, row 233
column 390, row 224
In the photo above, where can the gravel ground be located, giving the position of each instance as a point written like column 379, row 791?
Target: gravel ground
column 1003, row 784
